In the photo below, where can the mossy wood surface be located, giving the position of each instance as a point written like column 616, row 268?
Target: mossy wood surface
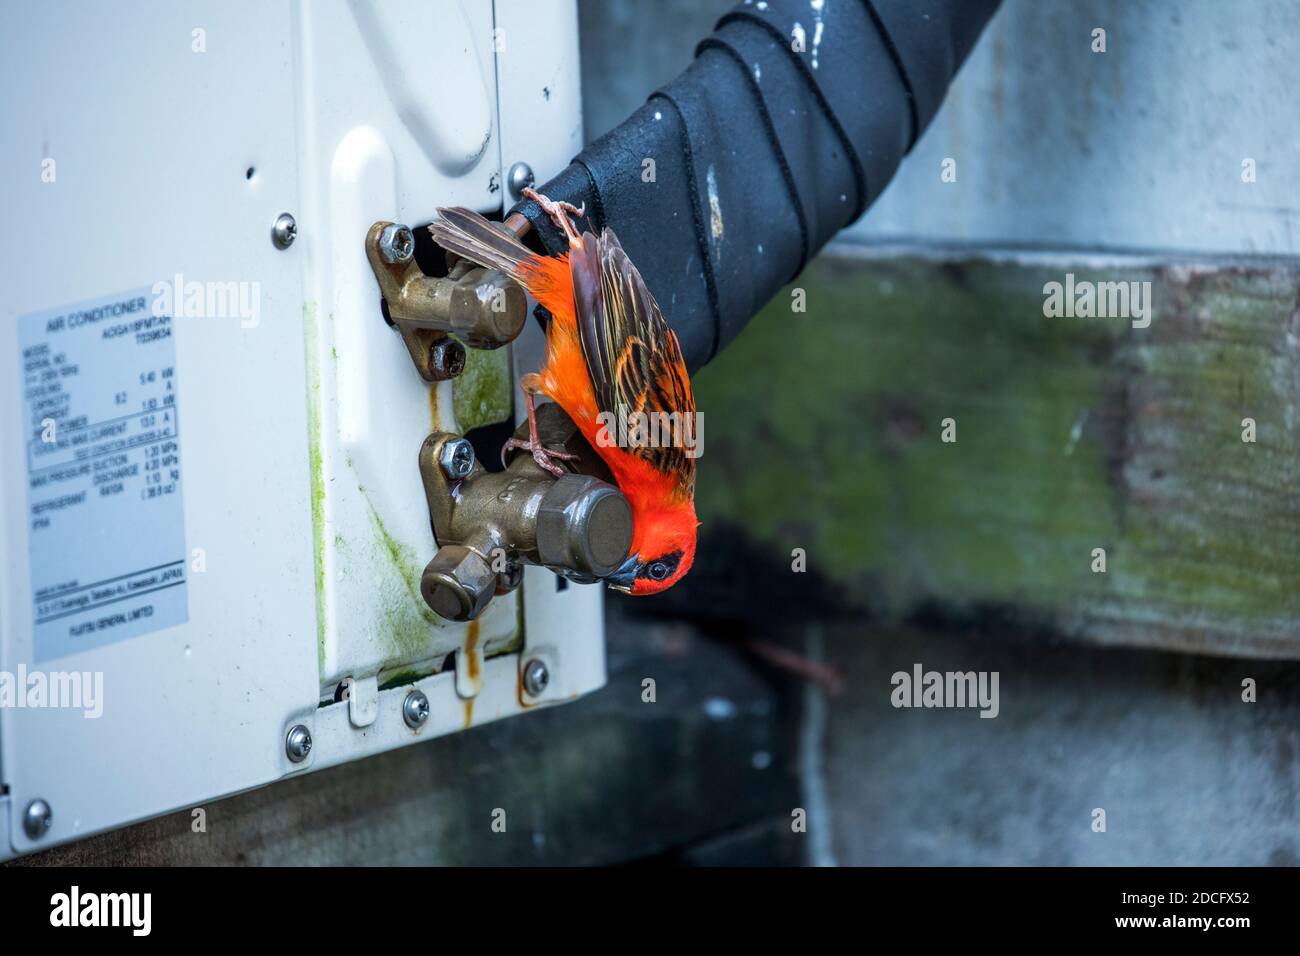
column 824, row 432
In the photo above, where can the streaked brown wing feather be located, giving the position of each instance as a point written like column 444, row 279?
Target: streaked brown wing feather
column 472, row 237
column 633, row 357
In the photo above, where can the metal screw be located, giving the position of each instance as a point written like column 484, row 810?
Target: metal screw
column 520, row 176
column 536, row 676
column 37, row 819
column 284, row 231
column 396, row 243
column 415, row 709
column 446, row 359
column 457, row 458
column 298, row 744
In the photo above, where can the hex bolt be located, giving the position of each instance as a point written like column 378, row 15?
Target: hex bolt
column 458, row 583
column 536, row 676
column 456, row 458
column 415, row 709
column 396, row 243
column 37, row 819
column 297, row 745
column 520, row 177
column 284, row 231
column 446, row 359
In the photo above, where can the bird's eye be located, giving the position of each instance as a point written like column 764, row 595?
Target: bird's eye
column 657, row 570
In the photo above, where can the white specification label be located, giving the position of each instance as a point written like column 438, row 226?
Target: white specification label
column 106, row 523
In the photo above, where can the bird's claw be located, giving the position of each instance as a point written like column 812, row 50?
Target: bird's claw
column 545, row 457
column 558, row 210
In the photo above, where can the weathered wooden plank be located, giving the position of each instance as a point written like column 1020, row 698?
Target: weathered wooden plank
column 825, row 433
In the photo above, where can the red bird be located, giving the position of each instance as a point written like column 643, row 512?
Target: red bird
column 609, row 352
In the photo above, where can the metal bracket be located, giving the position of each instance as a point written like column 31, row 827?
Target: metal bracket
column 489, row 523
column 363, row 701
column 483, row 308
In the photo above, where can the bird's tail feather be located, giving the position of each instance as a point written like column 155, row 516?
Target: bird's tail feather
column 470, row 236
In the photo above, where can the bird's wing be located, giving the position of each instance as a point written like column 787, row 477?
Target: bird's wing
column 472, row 237
column 633, row 357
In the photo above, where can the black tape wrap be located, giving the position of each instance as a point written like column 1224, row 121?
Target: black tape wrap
column 725, row 183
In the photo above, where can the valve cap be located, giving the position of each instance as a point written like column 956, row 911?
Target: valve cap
column 583, row 525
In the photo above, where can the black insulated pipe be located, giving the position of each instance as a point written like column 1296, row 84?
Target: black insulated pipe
column 789, row 123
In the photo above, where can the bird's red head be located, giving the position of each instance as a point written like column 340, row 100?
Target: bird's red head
column 663, row 549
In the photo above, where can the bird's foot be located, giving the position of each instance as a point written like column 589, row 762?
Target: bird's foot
column 559, row 211
column 546, row 458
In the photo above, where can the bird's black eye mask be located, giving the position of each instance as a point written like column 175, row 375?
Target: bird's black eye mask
column 662, row 568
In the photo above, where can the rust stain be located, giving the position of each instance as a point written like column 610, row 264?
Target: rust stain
column 519, row 689
column 473, row 660
column 433, row 407
column 473, row 668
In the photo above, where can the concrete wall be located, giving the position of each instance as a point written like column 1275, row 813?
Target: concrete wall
column 1139, row 147
column 1187, row 773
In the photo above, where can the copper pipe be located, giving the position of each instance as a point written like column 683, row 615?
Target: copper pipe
column 518, row 224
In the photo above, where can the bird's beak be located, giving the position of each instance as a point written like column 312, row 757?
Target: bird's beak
column 623, row 578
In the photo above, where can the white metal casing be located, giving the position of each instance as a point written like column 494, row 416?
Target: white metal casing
column 298, row 433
